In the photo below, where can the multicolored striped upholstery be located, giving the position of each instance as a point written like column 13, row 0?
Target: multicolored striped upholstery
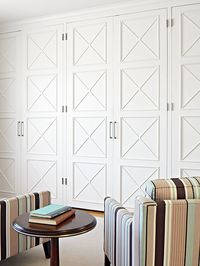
column 174, row 188
column 144, row 231
column 160, row 233
column 167, row 233
column 13, row 243
column 118, row 229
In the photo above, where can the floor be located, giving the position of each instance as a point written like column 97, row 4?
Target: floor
column 83, row 250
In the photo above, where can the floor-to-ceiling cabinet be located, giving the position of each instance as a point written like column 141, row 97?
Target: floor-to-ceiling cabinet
column 117, row 80
column 31, row 121
column 102, row 105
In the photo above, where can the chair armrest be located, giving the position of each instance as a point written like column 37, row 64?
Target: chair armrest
column 144, row 230
column 11, row 242
column 118, row 228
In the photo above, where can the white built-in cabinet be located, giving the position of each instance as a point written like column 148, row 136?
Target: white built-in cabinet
column 102, row 109
column 31, row 128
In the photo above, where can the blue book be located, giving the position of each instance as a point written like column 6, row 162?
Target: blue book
column 50, row 211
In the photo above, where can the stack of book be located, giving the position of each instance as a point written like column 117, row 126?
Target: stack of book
column 52, row 214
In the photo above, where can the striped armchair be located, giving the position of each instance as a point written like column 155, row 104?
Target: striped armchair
column 13, row 243
column 164, row 230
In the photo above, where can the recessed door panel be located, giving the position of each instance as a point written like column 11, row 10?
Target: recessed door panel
column 42, row 175
column 89, row 182
column 90, row 44
column 42, row 135
column 140, row 89
column 90, row 137
column 140, row 138
column 7, row 175
column 42, row 49
column 90, row 91
column 140, row 38
column 42, row 93
column 8, row 46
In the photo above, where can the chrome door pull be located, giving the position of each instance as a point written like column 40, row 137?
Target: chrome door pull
column 22, row 129
column 114, row 129
column 18, row 129
column 110, row 130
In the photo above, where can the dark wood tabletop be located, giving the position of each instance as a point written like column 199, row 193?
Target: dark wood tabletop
column 80, row 223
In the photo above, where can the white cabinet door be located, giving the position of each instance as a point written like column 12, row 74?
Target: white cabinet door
column 186, row 91
column 140, row 106
column 9, row 89
column 42, row 100
column 89, row 101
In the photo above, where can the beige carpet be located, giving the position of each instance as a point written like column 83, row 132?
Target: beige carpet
column 83, row 250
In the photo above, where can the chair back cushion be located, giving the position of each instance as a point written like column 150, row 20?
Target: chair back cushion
column 167, row 232
column 174, row 188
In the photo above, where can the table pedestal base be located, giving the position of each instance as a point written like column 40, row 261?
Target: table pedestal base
column 54, row 251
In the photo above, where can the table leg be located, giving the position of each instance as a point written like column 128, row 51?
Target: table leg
column 54, row 251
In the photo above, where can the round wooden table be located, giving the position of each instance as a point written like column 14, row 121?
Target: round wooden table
column 80, row 223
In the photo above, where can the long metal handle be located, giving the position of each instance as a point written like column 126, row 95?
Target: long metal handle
column 18, row 128
column 114, row 129
column 110, row 130
column 22, row 129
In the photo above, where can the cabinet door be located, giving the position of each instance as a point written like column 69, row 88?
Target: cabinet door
column 186, row 91
column 140, row 106
column 9, row 89
column 42, row 101
column 89, row 100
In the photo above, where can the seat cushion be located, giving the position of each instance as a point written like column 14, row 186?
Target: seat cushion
column 174, row 188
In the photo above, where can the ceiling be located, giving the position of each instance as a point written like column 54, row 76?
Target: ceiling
column 12, row 10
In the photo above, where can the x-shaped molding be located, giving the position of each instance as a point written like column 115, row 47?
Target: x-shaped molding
column 42, row 50
column 41, row 93
column 89, row 181
column 139, row 39
column 3, row 133
column 139, row 186
column 2, row 174
column 197, row 28
column 196, row 145
column 198, row 91
column 90, row 45
column 89, row 90
column 3, row 93
column 140, row 88
column 139, row 137
column 42, row 178
column 89, row 137
column 186, row 172
column 3, row 57
column 42, row 136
